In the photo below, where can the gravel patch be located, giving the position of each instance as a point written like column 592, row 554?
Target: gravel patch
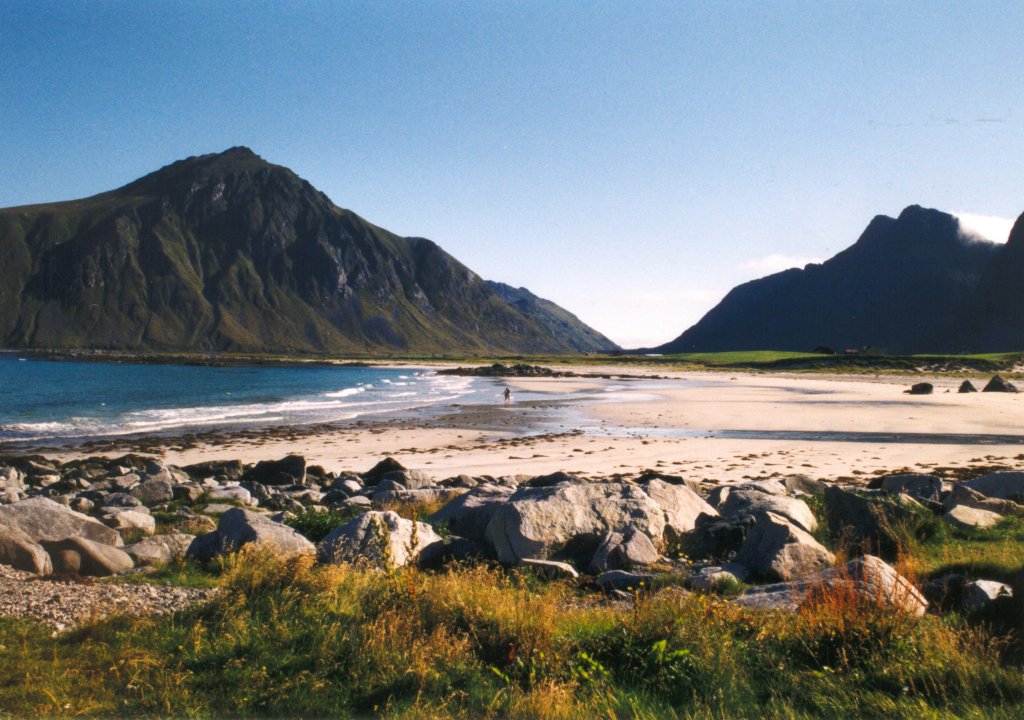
column 65, row 603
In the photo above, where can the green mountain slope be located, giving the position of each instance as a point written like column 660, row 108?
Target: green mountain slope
column 229, row 252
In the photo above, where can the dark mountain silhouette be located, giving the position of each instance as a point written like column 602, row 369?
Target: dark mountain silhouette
column 916, row 284
column 229, row 252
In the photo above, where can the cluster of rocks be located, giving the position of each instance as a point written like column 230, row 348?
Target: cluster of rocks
column 996, row 384
column 501, row 370
column 76, row 518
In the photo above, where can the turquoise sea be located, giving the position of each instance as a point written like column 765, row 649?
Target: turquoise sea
column 48, row 399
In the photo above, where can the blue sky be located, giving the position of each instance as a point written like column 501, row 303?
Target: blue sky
column 630, row 161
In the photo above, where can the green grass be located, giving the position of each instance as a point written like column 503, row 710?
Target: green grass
column 994, row 553
column 287, row 638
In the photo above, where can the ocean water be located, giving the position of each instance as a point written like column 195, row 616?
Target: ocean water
column 45, row 399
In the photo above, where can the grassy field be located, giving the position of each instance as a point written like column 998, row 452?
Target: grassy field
column 758, row 360
column 288, row 638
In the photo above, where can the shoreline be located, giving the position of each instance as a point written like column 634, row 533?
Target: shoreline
column 711, row 427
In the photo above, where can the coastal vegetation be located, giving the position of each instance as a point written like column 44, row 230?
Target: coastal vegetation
column 288, row 637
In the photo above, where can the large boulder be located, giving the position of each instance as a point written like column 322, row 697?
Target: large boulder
column 776, row 549
column 289, row 470
column 718, row 538
column 570, row 520
column 997, row 384
column 681, row 505
column 963, row 495
column 155, row 490
column 624, row 551
column 20, row 551
column 375, row 474
column 864, row 520
column 916, row 485
column 379, row 539
column 233, row 493
column 922, row 388
column 752, row 502
column 238, row 527
column 43, row 519
column 971, row 517
column 81, row 556
column 131, row 521
column 159, row 549
column 1001, row 485
column 230, row 469
column 469, row 514
column 868, row 577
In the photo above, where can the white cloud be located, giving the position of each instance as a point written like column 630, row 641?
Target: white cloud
column 990, row 227
column 776, row 263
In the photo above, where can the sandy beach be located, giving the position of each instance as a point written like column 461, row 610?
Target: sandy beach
column 714, row 427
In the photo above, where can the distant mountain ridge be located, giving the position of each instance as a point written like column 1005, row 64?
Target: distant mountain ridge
column 914, row 284
column 555, row 319
column 229, row 252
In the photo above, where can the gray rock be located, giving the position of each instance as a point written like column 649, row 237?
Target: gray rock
column 919, row 487
column 11, row 479
column 125, row 482
column 160, row 549
column 388, row 484
column 348, row 484
column 411, row 479
column 359, row 502
column 469, row 514
column 803, row 484
column 550, row 568
column 205, row 547
column 289, row 470
column 187, row 493
column 751, row 502
column 967, row 387
column 964, row 516
column 233, row 492
column 997, row 384
column 776, row 549
column 20, row 551
column 1002, row 485
column 81, row 556
column 130, row 521
column 863, row 519
column 154, row 490
column 869, row 577
column 121, row 500
column 146, row 553
column 681, row 505
column 570, row 519
column 922, row 388
column 238, row 528
column 962, row 495
column 380, row 539
column 979, row 594
column 623, row 551
column 43, row 519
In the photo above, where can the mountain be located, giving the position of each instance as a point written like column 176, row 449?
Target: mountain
column 229, row 252
column 556, row 320
column 911, row 285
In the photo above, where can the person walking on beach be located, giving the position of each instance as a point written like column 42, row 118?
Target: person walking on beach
column 508, row 397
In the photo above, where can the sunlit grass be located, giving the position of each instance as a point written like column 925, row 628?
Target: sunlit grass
column 286, row 637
